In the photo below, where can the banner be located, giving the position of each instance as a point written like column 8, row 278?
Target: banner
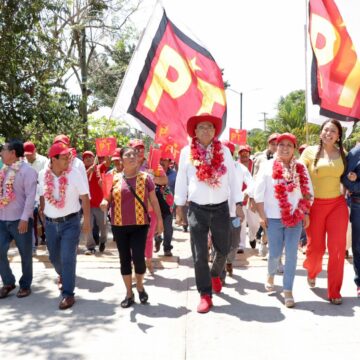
column 170, row 78
column 106, row 184
column 105, row 146
column 237, row 136
column 335, row 71
column 154, row 158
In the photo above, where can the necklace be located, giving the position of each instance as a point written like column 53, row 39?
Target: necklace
column 9, row 195
column 49, row 188
column 287, row 181
column 209, row 163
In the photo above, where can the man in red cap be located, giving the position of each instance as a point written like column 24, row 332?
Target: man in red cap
column 251, row 217
column 207, row 177
column 61, row 188
column 75, row 162
column 37, row 162
column 18, row 184
column 96, row 196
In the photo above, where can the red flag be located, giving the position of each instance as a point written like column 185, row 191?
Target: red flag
column 107, row 182
column 336, row 68
column 179, row 79
column 105, row 146
column 154, row 158
column 237, row 136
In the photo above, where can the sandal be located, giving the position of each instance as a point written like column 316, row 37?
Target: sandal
column 311, row 282
column 269, row 285
column 143, row 296
column 128, row 301
column 336, row 301
column 289, row 299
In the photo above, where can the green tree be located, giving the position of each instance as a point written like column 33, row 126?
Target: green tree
column 291, row 118
column 256, row 138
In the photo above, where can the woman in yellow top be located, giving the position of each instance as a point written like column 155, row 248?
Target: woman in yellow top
column 328, row 214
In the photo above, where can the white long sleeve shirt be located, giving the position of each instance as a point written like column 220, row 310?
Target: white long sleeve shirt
column 188, row 187
column 264, row 191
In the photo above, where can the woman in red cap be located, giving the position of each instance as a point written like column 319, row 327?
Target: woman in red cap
column 329, row 214
column 283, row 193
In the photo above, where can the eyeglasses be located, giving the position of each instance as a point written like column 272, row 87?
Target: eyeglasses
column 130, row 155
column 205, row 127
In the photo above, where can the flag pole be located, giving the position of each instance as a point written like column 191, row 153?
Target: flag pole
column 306, row 72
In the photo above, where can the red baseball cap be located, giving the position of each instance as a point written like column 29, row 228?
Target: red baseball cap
column 134, row 143
column 272, row 137
column 87, row 153
column 287, row 136
column 244, row 148
column 29, row 148
column 58, row 148
column 62, row 138
column 116, row 154
column 195, row 120
column 229, row 145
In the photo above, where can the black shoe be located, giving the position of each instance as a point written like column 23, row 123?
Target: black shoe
column 253, row 243
column 128, row 301
column 240, row 251
column 185, row 228
column 168, row 253
column 102, row 247
column 158, row 241
column 143, row 296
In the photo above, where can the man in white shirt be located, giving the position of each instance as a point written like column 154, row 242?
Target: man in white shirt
column 37, row 162
column 61, row 188
column 206, row 178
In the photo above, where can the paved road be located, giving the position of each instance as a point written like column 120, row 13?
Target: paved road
column 245, row 322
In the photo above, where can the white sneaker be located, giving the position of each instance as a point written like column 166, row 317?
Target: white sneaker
column 263, row 249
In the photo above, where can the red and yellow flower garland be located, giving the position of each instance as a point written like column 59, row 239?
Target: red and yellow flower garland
column 9, row 195
column 288, row 181
column 208, row 170
column 49, row 188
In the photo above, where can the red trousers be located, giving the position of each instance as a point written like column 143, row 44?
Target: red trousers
column 327, row 217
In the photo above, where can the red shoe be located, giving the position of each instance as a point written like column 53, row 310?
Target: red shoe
column 216, row 284
column 205, row 304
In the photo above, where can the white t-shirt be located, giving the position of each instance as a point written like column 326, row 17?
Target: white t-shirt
column 264, row 191
column 74, row 189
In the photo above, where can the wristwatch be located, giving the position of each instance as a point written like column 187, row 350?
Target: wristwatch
column 239, row 203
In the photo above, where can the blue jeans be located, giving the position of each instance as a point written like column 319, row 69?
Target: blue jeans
column 62, row 241
column 280, row 236
column 355, row 228
column 168, row 232
column 9, row 231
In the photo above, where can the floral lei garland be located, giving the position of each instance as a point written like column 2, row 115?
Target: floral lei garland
column 288, row 182
column 49, row 188
column 208, row 170
column 9, row 195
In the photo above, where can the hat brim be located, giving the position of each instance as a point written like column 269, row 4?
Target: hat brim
column 195, row 120
column 291, row 138
column 62, row 152
column 115, row 158
column 29, row 152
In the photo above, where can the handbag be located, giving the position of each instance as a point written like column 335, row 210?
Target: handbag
column 138, row 199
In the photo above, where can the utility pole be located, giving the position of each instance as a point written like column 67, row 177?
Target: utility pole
column 264, row 120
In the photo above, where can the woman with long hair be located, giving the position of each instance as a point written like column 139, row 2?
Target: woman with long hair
column 283, row 194
column 130, row 193
column 329, row 215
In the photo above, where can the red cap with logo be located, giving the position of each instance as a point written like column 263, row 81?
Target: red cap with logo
column 287, row 136
column 62, row 138
column 134, row 143
column 116, row 154
column 29, row 148
column 244, row 148
column 58, row 148
column 87, row 153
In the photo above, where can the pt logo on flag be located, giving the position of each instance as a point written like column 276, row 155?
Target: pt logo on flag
column 180, row 79
column 237, row 136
